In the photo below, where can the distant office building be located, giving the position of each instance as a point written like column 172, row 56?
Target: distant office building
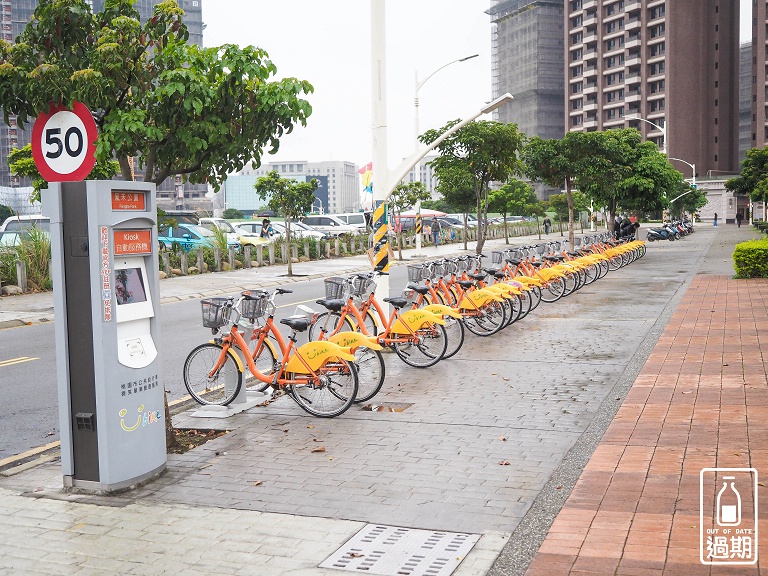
column 527, row 61
column 674, row 64
column 426, row 175
column 238, row 192
column 343, row 180
column 759, row 68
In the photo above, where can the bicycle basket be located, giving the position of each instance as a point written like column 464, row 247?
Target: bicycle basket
column 497, row 257
column 461, row 265
column 541, row 248
column 438, row 269
column 451, row 266
column 216, row 312
column 334, row 288
column 254, row 308
column 361, row 286
column 416, row 272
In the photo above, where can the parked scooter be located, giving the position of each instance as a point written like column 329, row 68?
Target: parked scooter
column 665, row 232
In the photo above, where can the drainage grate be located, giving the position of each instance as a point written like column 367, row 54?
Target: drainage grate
column 391, row 550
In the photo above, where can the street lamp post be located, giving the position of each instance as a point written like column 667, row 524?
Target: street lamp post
column 693, row 181
column 417, row 167
column 662, row 129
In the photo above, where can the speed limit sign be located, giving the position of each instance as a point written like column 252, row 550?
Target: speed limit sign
column 64, row 143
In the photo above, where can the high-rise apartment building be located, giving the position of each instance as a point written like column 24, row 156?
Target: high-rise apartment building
column 669, row 69
column 759, row 75
column 527, row 51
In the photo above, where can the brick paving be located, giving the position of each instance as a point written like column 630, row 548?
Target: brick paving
column 701, row 400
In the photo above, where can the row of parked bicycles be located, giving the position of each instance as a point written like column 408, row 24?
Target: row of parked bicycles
column 342, row 363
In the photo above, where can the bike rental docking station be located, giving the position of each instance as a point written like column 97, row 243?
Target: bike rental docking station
column 107, row 306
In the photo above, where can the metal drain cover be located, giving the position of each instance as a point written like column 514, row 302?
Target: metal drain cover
column 392, row 551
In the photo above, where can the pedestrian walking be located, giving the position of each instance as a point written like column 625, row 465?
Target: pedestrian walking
column 714, row 222
column 547, row 225
column 739, row 218
column 435, row 228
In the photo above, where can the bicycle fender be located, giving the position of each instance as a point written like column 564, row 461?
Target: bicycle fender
column 442, row 310
column 235, row 357
column 353, row 340
column 313, row 355
column 477, row 299
column 411, row 320
column 504, row 287
column 528, row 280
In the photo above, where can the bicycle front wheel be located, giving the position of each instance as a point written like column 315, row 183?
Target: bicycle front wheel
column 370, row 373
column 265, row 358
column 454, row 330
column 427, row 350
column 329, row 394
column 207, row 386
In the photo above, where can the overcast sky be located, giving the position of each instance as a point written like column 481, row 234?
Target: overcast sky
column 328, row 44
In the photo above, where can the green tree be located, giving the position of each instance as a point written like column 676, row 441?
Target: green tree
column 288, row 197
column 182, row 110
column 753, row 179
column 687, row 199
column 456, row 186
column 483, row 150
column 233, row 214
column 22, row 164
column 403, row 197
column 514, row 197
column 5, row 212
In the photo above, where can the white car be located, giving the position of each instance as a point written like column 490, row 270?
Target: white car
column 298, row 229
column 329, row 224
column 233, row 234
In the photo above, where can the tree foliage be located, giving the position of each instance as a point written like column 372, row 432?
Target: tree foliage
column 5, row 212
column 182, row 110
column 233, row 214
column 753, row 179
column 513, row 198
column 288, row 197
column 403, row 197
column 479, row 153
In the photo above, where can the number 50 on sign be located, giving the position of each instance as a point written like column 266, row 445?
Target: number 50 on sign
column 63, row 143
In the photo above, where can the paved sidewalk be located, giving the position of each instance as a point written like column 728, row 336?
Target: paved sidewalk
column 538, row 395
column 700, row 401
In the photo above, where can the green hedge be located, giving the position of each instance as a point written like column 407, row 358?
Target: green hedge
column 750, row 259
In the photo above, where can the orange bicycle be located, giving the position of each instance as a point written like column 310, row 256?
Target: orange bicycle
column 320, row 376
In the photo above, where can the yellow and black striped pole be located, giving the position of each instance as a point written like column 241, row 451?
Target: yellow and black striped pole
column 380, row 239
column 418, row 223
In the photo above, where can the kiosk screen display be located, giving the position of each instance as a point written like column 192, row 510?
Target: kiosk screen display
column 129, row 286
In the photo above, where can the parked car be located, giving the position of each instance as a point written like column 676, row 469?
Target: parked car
column 471, row 219
column 24, row 222
column 357, row 219
column 299, row 230
column 240, row 236
column 447, row 222
column 188, row 237
column 329, row 224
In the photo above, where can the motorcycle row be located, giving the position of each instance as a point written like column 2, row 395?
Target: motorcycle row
column 670, row 231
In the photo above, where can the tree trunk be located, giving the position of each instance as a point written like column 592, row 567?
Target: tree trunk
column 569, row 198
column 288, row 246
column 170, row 432
column 481, row 224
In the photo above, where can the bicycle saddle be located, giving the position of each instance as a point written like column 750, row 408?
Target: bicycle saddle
column 478, row 276
column 297, row 323
column 513, row 261
column 335, row 305
column 465, row 283
column 397, row 302
column 418, row 288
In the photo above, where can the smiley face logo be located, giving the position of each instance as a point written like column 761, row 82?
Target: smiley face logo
column 123, row 412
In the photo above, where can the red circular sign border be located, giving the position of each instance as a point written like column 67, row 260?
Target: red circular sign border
column 50, row 175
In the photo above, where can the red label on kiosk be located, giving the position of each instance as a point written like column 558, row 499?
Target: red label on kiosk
column 132, row 242
column 128, row 200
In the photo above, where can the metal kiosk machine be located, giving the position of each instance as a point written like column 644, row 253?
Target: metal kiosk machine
column 107, row 303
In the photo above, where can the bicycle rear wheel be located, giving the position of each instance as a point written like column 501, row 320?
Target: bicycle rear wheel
column 331, row 393
column 429, row 349
column 553, row 290
column 370, row 373
column 330, row 321
column 219, row 388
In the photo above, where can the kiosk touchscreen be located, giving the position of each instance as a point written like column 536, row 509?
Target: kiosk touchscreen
column 135, row 346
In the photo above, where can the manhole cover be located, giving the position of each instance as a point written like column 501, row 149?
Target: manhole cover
column 391, row 550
